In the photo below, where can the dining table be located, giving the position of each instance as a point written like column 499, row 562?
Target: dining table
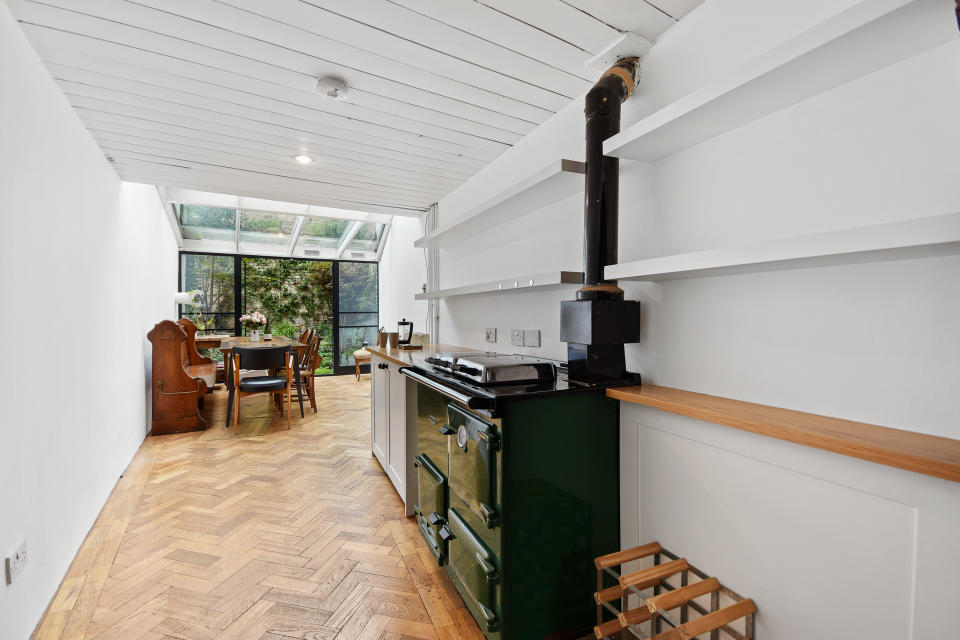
column 227, row 345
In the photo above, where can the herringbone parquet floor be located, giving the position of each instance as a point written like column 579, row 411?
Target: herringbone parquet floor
column 295, row 534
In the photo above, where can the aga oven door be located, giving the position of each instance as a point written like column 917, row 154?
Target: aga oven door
column 474, row 450
column 474, row 569
column 431, row 506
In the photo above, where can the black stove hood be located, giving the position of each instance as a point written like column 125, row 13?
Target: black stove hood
column 598, row 324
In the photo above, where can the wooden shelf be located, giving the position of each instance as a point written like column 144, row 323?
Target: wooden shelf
column 922, row 453
column 552, row 183
column 540, row 281
column 935, row 235
column 868, row 36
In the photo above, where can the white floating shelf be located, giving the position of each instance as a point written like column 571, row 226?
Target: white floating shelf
column 936, row 235
column 541, row 281
column 868, row 36
column 556, row 181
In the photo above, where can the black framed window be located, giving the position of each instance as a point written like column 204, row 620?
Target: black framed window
column 358, row 304
column 213, row 275
column 339, row 299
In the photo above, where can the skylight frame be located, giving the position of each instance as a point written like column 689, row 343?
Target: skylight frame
column 291, row 247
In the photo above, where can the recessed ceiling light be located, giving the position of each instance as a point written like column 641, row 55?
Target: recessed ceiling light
column 303, row 159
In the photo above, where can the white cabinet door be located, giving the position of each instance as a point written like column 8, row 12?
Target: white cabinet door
column 380, row 405
column 396, row 441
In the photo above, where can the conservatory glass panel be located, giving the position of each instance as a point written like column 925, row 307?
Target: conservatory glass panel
column 323, row 233
column 207, row 223
column 263, row 227
column 368, row 238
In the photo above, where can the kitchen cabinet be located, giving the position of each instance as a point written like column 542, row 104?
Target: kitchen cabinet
column 379, row 409
column 393, row 430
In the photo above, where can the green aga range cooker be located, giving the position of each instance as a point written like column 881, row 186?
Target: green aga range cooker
column 518, row 474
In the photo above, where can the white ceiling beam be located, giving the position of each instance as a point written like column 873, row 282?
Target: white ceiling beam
column 351, row 234
column 237, row 230
column 297, row 227
column 383, row 241
column 170, row 209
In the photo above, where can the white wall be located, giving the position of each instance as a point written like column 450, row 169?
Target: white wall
column 822, row 542
column 403, row 270
column 87, row 266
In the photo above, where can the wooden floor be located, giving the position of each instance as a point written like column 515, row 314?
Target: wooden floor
column 295, row 534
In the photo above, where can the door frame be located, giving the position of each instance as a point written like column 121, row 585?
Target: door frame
column 239, row 296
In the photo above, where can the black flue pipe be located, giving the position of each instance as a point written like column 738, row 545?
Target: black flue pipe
column 602, row 181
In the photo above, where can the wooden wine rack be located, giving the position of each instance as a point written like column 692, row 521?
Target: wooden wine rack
column 670, row 590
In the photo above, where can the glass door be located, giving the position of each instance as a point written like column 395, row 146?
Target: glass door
column 358, row 291
column 339, row 300
column 294, row 295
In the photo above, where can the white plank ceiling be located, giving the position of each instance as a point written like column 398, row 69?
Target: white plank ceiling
column 218, row 95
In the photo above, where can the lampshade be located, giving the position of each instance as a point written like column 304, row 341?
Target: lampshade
column 191, row 298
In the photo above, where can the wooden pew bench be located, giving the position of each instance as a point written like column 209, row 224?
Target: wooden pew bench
column 178, row 384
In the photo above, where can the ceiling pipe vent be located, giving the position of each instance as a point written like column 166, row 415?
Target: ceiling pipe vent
column 598, row 324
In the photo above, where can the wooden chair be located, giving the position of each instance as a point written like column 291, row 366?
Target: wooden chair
column 306, row 336
column 178, row 387
column 308, row 367
column 265, row 358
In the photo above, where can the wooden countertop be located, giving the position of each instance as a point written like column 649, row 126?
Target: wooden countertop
column 404, row 358
column 922, row 453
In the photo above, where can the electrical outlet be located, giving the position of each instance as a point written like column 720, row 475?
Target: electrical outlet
column 490, row 335
column 16, row 562
column 516, row 337
column 531, row 337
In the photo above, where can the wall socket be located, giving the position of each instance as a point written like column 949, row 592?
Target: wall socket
column 490, row 335
column 16, row 562
column 525, row 337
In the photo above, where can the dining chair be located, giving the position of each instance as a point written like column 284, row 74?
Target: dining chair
column 308, row 368
column 306, row 336
column 271, row 359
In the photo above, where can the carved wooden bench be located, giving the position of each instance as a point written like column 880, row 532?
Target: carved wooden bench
column 177, row 385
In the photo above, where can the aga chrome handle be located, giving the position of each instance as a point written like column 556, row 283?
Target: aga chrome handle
column 493, row 576
column 492, row 439
column 489, row 617
column 491, row 517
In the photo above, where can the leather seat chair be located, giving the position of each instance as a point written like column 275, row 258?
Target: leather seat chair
column 279, row 360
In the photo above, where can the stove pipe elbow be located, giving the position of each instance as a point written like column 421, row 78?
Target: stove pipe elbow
column 602, row 180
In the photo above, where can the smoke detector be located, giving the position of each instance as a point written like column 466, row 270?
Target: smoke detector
column 627, row 45
column 333, row 88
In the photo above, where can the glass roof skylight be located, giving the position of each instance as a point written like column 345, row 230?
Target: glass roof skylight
column 323, row 233
column 368, row 237
column 262, row 227
column 198, row 222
